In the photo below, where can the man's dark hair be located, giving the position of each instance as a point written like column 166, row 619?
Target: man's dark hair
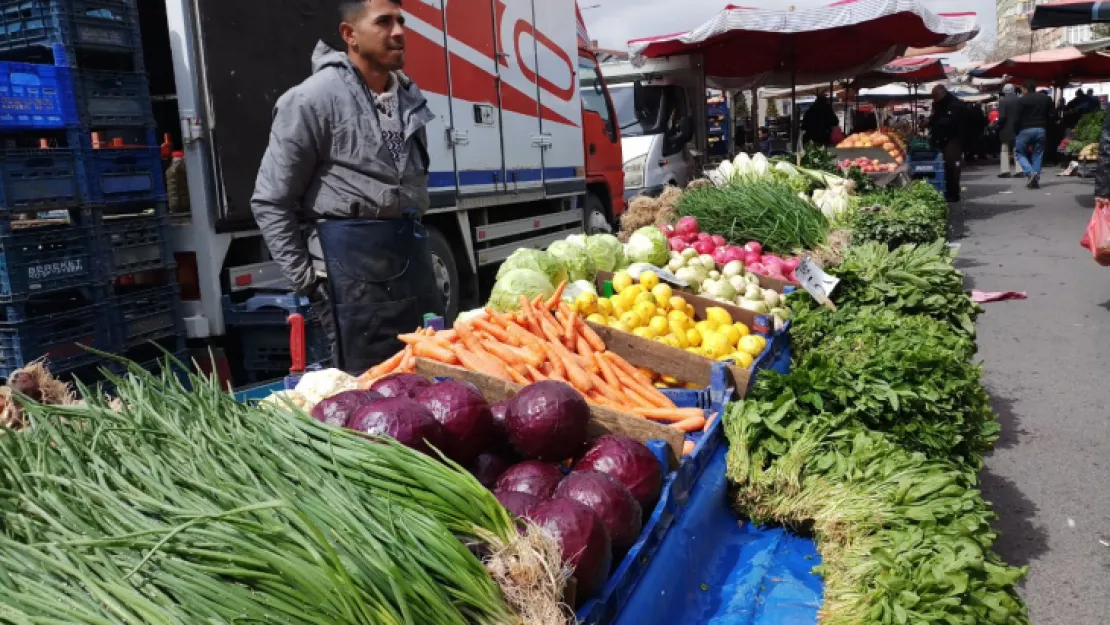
column 1030, row 86
column 1090, row 91
column 350, row 10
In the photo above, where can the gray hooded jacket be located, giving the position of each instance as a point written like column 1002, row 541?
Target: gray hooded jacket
column 326, row 159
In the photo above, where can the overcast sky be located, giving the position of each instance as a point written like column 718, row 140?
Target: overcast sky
column 613, row 22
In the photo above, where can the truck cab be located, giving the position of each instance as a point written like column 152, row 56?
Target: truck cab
column 525, row 149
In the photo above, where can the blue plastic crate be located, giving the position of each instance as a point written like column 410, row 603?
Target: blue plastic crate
column 101, row 25
column 146, row 315
column 123, row 175
column 113, row 99
column 266, row 310
column 59, row 338
column 266, row 348
column 46, row 259
column 134, row 244
column 930, row 167
column 36, row 97
column 35, row 180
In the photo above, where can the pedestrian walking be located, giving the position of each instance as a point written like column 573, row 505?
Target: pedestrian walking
column 1007, row 130
column 1035, row 113
column 947, row 129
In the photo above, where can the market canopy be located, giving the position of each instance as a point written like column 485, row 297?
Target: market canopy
column 1069, row 13
column 904, row 70
column 1050, row 66
column 744, row 47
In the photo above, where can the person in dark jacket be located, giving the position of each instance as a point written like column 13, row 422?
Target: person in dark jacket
column 947, row 129
column 1102, row 169
column 818, row 122
column 1035, row 114
column 1007, row 130
column 976, row 124
column 348, row 155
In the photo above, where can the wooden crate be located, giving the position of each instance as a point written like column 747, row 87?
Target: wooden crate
column 603, row 420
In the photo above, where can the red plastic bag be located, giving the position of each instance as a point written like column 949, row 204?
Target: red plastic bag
column 1097, row 237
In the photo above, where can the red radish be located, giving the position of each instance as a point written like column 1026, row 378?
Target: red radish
column 757, row 268
column 754, row 246
column 719, row 255
column 677, row 244
column 705, row 236
column 668, row 230
column 690, row 237
column 790, row 264
column 686, row 225
column 751, row 258
column 733, row 253
column 704, row 247
column 773, row 264
column 718, row 240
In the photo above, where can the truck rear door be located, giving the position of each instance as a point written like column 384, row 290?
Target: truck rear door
column 520, row 109
column 555, row 38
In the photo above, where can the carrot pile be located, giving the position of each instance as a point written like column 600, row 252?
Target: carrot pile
column 544, row 340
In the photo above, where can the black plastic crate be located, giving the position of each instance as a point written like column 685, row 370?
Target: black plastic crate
column 112, row 99
column 60, row 338
column 52, row 303
column 146, row 314
column 266, row 350
column 45, row 259
column 98, row 25
column 134, row 244
column 37, row 180
column 265, row 310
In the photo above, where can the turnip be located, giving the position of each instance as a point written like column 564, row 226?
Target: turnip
column 720, row 255
column 677, row 244
column 754, row 246
column 718, row 240
column 689, row 252
column 705, row 236
column 733, row 253
column 752, row 258
column 732, row 268
column 690, row 237
column 790, row 264
column 704, row 247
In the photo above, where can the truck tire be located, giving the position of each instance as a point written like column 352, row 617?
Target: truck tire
column 597, row 218
column 446, row 271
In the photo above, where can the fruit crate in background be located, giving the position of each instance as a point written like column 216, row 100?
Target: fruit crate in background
column 33, row 180
column 132, row 244
column 37, row 259
column 67, row 25
column 145, row 314
column 59, row 338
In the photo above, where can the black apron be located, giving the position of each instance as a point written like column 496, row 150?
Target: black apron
column 381, row 284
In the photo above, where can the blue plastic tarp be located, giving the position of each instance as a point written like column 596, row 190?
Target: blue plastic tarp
column 717, row 569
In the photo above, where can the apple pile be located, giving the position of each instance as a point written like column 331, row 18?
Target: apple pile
column 685, row 235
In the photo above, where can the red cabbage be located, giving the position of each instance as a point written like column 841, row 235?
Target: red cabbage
column 401, row 419
column 337, row 409
column 520, row 504
column 583, row 539
column 547, row 421
column 532, row 477
column 611, row 500
column 401, row 385
column 629, row 462
column 464, row 415
column 489, row 467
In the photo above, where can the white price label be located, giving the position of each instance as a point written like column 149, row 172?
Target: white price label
column 815, row 281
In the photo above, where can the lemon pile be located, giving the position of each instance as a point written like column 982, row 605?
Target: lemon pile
column 650, row 309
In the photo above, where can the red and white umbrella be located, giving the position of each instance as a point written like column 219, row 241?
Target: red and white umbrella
column 1069, row 13
column 1056, row 66
column 765, row 46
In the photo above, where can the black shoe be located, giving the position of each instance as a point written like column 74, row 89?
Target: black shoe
column 1005, row 175
column 1034, row 182
column 952, row 200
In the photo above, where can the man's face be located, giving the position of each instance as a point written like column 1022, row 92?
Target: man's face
column 377, row 34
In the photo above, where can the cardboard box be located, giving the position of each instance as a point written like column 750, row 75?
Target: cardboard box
column 603, row 420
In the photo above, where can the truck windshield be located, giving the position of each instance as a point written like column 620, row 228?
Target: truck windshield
column 624, row 103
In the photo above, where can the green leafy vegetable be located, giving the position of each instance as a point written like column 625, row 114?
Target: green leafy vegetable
column 916, row 214
column 761, row 210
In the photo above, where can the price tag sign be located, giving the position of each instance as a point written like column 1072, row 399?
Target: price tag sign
column 816, row 282
column 639, row 268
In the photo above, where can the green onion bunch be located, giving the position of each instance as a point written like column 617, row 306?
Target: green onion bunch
column 178, row 505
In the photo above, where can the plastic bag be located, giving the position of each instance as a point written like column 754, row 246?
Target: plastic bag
column 1097, row 236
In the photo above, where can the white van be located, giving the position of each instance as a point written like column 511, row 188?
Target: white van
column 654, row 137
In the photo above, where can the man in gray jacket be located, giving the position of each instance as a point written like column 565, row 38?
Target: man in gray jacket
column 348, row 158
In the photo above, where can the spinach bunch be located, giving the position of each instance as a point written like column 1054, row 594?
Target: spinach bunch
column 916, row 214
column 904, row 538
column 1089, row 127
column 912, row 279
column 909, row 376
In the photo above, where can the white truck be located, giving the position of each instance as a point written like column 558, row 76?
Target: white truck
column 520, row 156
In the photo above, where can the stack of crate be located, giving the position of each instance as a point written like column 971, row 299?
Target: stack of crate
column 85, row 254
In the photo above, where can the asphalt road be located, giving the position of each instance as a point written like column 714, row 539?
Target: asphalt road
column 1047, row 367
